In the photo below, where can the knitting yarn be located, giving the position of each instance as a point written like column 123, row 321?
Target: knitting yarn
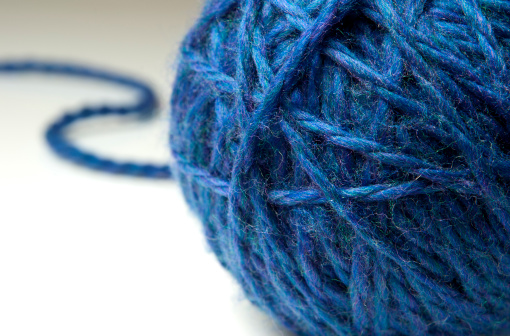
column 350, row 160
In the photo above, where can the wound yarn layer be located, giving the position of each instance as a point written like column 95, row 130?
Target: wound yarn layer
column 350, row 160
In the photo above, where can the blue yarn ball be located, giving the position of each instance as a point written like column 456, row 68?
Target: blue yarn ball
column 350, row 160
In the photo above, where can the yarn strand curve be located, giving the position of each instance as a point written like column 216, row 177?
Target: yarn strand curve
column 145, row 107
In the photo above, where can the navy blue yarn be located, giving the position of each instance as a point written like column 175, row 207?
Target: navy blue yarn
column 145, row 106
column 350, row 160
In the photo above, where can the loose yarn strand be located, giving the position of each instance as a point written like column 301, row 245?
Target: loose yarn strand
column 145, row 107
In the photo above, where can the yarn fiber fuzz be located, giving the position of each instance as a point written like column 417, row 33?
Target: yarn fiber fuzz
column 350, row 160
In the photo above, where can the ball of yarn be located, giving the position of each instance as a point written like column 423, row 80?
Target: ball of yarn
column 350, row 160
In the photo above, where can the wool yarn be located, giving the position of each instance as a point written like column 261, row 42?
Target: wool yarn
column 350, row 160
column 56, row 134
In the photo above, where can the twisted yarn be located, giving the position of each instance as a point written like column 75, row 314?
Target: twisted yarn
column 350, row 160
column 56, row 134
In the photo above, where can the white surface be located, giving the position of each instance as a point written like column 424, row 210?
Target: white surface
column 82, row 253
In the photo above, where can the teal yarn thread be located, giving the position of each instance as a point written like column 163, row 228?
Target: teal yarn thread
column 350, row 160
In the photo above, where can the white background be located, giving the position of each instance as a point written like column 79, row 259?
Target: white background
column 82, row 253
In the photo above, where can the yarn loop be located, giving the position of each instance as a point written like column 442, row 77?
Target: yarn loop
column 56, row 136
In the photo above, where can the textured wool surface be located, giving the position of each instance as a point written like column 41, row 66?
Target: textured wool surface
column 350, row 160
